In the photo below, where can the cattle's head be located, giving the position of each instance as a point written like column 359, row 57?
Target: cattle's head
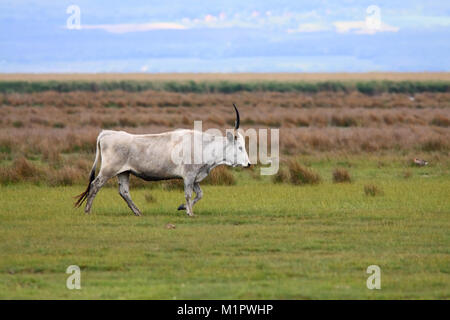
column 235, row 153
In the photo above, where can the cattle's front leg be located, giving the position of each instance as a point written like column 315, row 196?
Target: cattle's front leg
column 124, row 191
column 188, row 188
column 198, row 195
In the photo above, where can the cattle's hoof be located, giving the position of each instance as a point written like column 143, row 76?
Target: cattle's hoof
column 182, row 207
column 138, row 214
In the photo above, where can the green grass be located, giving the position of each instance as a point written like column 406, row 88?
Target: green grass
column 366, row 87
column 249, row 241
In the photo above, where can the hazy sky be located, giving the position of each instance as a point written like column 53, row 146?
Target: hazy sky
column 225, row 36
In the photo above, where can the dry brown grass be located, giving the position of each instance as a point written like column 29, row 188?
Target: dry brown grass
column 341, row 175
column 20, row 170
column 300, row 175
column 287, row 76
column 150, row 198
column 435, row 144
column 172, row 185
column 407, row 174
column 60, row 129
column 293, row 172
column 220, row 175
column 373, row 190
column 65, row 176
column 282, row 175
column 51, row 123
column 441, row 120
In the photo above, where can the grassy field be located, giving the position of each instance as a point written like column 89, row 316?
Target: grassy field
column 298, row 235
column 253, row 240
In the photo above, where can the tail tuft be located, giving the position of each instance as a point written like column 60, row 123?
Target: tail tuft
column 83, row 196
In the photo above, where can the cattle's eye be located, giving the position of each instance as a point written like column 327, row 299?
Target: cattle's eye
column 240, row 148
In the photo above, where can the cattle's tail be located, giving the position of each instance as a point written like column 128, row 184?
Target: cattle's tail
column 83, row 196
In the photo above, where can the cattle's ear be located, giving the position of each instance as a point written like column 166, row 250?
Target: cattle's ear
column 230, row 136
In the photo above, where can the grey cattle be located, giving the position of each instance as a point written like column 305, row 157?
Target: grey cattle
column 151, row 157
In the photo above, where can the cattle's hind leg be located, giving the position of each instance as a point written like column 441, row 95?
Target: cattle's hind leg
column 198, row 193
column 124, row 191
column 94, row 188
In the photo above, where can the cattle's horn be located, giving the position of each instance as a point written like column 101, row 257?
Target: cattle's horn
column 238, row 120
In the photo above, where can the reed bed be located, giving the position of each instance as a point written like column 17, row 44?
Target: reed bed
column 57, row 131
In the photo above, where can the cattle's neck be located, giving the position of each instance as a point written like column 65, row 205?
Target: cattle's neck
column 214, row 158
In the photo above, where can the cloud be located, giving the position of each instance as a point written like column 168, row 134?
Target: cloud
column 210, row 18
column 136, row 27
column 363, row 27
column 308, row 27
column 253, row 19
